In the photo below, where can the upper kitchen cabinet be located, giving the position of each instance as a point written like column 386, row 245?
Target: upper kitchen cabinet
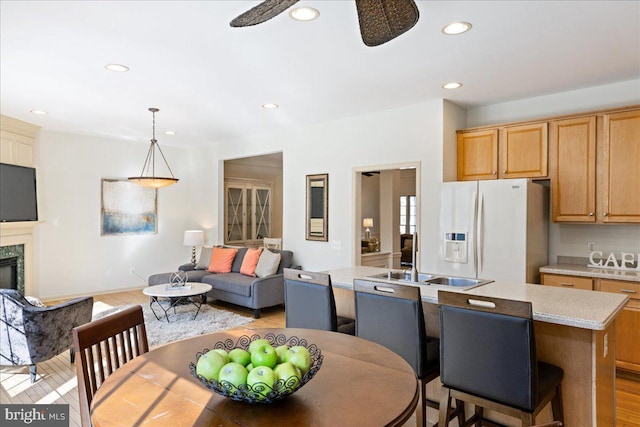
column 572, row 159
column 523, row 151
column 619, row 168
column 477, row 155
column 503, row 152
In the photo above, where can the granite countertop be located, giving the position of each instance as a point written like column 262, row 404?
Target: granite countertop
column 595, row 272
column 570, row 307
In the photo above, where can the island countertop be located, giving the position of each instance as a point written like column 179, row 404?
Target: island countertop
column 570, row 307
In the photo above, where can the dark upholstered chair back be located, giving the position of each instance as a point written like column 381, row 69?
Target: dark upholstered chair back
column 391, row 315
column 309, row 301
column 487, row 348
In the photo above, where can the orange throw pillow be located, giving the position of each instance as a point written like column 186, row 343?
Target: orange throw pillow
column 250, row 261
column 221, row 260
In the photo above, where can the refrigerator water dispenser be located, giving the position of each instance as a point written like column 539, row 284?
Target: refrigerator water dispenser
column 455, row 247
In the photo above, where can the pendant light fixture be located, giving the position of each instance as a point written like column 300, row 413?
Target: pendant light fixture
column 148, row 176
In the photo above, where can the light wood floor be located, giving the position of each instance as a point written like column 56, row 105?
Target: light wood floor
column 57, row 381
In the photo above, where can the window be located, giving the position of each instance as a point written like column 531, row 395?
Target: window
column 407, row 214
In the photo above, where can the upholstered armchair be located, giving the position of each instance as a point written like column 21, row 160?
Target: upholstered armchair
column 30, row 334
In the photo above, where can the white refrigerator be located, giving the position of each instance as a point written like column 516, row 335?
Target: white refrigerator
column 494, row 229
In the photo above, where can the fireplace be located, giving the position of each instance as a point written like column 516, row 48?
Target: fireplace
column 12, row 267
column 9, row 273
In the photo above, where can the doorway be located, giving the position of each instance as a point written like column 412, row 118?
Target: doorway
column 380, row 221
column 253, row 199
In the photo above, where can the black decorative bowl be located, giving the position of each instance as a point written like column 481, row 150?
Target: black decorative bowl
column 260, row 393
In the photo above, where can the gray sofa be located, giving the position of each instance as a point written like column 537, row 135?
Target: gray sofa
column 234, row 287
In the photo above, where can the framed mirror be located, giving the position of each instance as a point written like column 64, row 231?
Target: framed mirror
column 317, row 214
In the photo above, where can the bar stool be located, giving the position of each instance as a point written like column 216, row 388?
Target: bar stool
column 391, row 315
column 309, row 303
column 488, row 359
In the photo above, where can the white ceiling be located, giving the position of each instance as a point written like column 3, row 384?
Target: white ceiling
column 209, row 80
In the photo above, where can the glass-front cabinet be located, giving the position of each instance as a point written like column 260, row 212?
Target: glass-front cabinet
column 247, row 212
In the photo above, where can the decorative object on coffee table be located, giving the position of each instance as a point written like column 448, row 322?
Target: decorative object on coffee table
column 178, row 280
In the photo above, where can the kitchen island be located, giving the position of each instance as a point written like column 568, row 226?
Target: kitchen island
column 575, row 330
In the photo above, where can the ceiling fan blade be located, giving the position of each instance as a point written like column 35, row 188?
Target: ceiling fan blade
column 262, row 12
column 384, row 20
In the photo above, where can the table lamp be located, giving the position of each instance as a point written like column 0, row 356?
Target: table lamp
column 193, row 238
column 367, row 222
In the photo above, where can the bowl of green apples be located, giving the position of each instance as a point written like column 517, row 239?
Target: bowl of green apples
column 257, row 369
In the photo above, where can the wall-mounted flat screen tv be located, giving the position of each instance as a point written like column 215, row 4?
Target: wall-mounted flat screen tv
column 18, row 197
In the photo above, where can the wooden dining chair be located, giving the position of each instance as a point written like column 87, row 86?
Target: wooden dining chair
column 309, row 303
column 391, row 315
column 101, row 347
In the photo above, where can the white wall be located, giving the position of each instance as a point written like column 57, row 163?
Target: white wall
column 412, row 133
column 72, row 257
column 570, row 239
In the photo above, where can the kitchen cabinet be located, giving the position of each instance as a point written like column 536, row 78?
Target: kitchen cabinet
column 563, row 281
column 619, row 168
column 627, row 324
column 247, row 212
column 572, row 159
column 524, row 151
column 478, row 155
column 503, row 152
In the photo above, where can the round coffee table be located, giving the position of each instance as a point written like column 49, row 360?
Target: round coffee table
column 177, row 294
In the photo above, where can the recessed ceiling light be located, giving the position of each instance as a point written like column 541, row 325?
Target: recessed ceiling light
column 118, row 68
column 169, row 132
column 270, row 106
column 304, row 13
column 456, row 28
column 41, row 112
column 452, row 85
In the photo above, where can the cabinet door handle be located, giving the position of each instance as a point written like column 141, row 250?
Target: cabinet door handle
column 494, row 172
column 590, row 213
column 566, row 284
column 628, row 291
column 504, row 171
column 605, row 214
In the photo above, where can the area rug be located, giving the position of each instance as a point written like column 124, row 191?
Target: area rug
column 181, row 324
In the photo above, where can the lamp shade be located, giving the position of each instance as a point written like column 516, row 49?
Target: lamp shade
column 367, row 222
column 193, row 238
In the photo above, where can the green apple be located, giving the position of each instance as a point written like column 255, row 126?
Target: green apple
column 257, row 344
column 209, row 365
column 290, row 374
column 281, row 351
column 240, row 355
column 299, row 356
column 264, row 356
column 222, row 352
column 249, row 367
column 234, row 373
column 261, row 379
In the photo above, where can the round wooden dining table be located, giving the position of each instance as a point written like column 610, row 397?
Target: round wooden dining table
column 360, row 383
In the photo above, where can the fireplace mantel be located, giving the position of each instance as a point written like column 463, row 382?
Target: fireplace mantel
column 17, row 228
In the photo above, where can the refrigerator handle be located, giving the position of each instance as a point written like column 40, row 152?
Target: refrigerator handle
column 475, row 236
column 479, row 242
